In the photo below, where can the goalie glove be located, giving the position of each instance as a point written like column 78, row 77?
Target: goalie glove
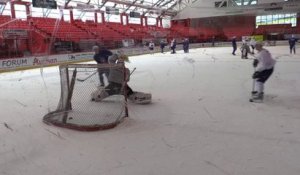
column 255, row 63
column 256, row 75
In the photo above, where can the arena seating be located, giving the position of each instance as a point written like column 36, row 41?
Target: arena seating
column 60, row 29
column 9, row 23
column 43, row 30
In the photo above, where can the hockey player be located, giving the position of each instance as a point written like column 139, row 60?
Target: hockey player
column 173, row 46
column 234, row 45
column 186, row 44
column 292, row 43
column 264, row 67
column 252, row 44
column 162, row 45
column 245, row 49
column 151, row 46
column 118, row 83
column 101, row 57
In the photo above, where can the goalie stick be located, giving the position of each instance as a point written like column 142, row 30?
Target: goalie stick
column 132, row 70
column 89, row 76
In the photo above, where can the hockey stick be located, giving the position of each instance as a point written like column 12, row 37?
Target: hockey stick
column 83, row 79
column 253, row 86
column 133, row 70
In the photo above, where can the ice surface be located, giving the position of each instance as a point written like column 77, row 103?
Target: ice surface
column 200, row 121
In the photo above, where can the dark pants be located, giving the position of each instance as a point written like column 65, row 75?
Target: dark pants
column 101, row 73
column 293, row 48
column 234, row 49
column 115, row 88
column 265, row 75
column 173, row 50
column 186, row 49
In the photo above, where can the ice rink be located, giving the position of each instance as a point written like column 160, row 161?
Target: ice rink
column 199, row 123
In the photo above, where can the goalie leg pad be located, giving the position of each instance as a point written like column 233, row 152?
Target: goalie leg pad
column 140, row 97
column 99, row 94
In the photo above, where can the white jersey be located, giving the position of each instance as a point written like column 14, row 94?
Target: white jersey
column 265, row 60
column 151, row 45
column 252, row 42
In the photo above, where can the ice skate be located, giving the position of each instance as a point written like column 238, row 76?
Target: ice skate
column 257, row 97
column 140, row 98
column 99, row 94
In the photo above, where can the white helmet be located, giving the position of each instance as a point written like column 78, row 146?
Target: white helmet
column 95, row 48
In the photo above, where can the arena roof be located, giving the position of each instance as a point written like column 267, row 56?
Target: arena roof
column 151, row 8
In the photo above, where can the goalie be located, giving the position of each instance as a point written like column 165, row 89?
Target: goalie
column 118, row 83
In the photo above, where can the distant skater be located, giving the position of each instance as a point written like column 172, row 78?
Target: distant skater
column 151, row 46
column 292, row 43
column 173, row 46
column 162, row 46
column 234, row 46
column 186, row 44
column 101, row 57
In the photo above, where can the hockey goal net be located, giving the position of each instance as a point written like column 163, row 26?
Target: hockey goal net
column 76, row 110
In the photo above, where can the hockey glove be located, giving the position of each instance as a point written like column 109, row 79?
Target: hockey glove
column 255, row 63
column 256, row 75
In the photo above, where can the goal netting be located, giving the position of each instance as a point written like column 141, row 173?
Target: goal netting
column 76, row 110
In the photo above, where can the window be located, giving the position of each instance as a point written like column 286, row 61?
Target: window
column 245, row 2
column 277, row 19
column 270, row 19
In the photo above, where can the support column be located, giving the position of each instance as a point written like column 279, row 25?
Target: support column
column 160, row 22
column 27, row 6
column 146, row 21
column 71, row 16
column 102, row 17
column 12, row 9
column 121, row 18
column 96, row 17
column 142, row 20
column 127, row 19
